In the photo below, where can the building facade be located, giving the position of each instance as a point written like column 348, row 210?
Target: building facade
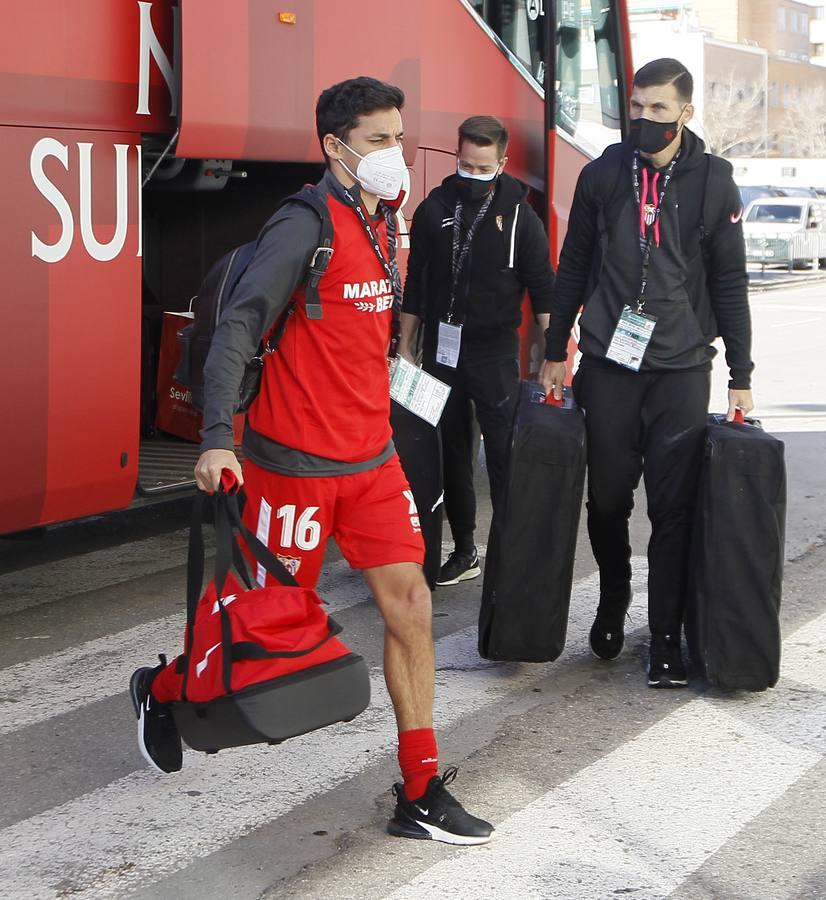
column 760, row 78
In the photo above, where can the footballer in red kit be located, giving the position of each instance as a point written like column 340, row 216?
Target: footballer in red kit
column 319, row 459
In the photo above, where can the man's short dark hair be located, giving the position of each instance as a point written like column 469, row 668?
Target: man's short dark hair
column 340, row 107
column 484, row 131
column 666, row 71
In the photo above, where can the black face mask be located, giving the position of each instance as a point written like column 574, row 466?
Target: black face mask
column 472, row 190
column 652, row 137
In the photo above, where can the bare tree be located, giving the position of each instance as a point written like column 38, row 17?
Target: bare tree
column 734, row 118
column 804, row 125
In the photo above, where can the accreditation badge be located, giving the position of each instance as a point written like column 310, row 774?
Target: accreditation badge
column 631, row 338
column 450, row 343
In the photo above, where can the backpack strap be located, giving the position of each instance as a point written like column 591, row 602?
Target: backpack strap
column 703, row 211
column 309, row 196
column 714, row 196
column 606, row 189
column 321, row 257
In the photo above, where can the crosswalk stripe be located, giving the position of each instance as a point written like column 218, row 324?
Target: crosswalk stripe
column 84, row 572
column 48, row 685
column 146, row 826
column 603, row 833
column 448, row 546
column 81, row 573
column 59, row 682
column 804, row 656
column 140, row 828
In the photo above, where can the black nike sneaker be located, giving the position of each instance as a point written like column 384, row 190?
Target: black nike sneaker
column 158, row 737
column 665, row 666
column 607, row 636
column 437, row 815
column 459, row 566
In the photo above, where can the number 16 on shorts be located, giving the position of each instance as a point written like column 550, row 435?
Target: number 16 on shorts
column 303, row 532
column 298, row 529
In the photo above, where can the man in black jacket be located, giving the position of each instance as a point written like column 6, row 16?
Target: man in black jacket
column 476, row 245
column 654, row 253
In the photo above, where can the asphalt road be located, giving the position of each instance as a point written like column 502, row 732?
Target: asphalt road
column 599, row 787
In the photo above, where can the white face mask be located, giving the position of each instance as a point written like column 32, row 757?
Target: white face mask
column 381, row 172
column 479, row 176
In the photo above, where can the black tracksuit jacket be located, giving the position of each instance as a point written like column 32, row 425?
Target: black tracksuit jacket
column 509, row 253
column 697, row 289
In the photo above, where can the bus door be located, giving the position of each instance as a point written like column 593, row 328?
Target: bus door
column 583, row 86
column 245, row 139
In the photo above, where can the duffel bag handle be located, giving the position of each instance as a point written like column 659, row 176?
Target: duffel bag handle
column 228, row 554
column 227, row 518
column 261, row 553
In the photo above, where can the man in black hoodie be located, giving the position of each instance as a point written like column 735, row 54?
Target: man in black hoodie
column 476, row 245
column 654, row 253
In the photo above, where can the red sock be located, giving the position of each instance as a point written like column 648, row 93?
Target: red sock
column 418, row 759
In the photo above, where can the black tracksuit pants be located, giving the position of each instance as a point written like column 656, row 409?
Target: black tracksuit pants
column 492, row 389
column 650, row 424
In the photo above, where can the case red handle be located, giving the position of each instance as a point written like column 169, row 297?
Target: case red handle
column 552, row 401
column 229, row 483
column 738, row 416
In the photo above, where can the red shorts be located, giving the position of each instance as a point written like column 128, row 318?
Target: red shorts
column 371, row 515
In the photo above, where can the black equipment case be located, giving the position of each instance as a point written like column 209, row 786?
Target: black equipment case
column 419, row 446
column 736, row 568
column 530, row 559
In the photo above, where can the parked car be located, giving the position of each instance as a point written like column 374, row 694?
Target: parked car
column 785, row 230
column 798, row 192
column 750, row 192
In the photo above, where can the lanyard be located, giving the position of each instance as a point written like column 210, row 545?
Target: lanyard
column 389, row 265
column 460, row 253
column 649, row 216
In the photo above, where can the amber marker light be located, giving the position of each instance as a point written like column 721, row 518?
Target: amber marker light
column 287, row 18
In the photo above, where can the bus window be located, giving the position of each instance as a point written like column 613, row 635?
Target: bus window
column 521, row 26
column 589, row 98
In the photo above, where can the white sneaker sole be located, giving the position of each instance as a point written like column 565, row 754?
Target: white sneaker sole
column 142, row 746
column 671, row 683
column 604, row 658
column 473, row 572
column 459, row 840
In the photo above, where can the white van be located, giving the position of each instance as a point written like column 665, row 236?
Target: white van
column 786, row 230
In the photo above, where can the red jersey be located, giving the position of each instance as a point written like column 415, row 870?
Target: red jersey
column 325, row 389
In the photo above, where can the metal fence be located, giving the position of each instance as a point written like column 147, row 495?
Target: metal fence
column 786, row 247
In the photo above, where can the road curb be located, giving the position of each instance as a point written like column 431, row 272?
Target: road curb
column 761, row 286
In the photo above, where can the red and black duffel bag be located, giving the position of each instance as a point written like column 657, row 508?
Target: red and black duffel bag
column 262, row 664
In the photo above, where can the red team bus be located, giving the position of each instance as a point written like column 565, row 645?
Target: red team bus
column 142, row 139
